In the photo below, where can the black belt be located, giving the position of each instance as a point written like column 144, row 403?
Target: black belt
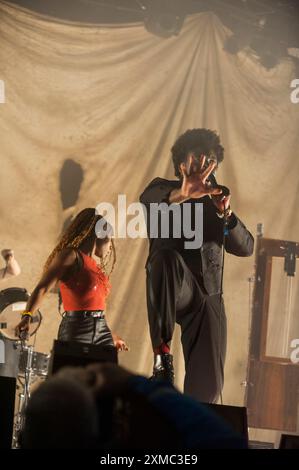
column 84, row 313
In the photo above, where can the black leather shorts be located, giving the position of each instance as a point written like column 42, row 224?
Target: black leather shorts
column 85, row 327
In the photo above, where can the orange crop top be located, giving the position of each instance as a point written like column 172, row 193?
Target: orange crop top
column 86, row 289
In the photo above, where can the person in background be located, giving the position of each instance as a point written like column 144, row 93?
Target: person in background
column 105, row 406
column 84, row 285
column 12, row 267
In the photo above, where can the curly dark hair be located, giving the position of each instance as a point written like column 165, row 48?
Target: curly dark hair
column 82, row 227
column 198, row 141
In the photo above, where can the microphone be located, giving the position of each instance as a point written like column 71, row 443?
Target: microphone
column 214, row 184
column 212, row 178
column 225, row 192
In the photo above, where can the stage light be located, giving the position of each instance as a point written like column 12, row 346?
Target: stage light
column 164, row 18
column 260, row 37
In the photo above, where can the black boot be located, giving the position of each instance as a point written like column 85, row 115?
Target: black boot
column 163, row 368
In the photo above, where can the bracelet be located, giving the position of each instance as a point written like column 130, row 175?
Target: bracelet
column 27, row 314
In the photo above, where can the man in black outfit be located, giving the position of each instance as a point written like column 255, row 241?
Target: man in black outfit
column 184, row 284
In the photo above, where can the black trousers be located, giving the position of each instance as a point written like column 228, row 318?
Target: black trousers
column 85, row 329
column 174, row 295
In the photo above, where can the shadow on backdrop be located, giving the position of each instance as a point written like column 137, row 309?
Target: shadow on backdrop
column 70, row 181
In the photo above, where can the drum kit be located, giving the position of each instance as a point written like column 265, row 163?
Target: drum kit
column 17, row 358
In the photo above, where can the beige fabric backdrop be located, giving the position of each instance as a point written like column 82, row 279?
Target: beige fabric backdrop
column 114, row 100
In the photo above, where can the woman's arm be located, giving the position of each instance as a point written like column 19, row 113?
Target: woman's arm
column 61, row 263
column 119, row 343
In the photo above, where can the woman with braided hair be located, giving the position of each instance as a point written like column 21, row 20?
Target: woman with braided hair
column 84, row 284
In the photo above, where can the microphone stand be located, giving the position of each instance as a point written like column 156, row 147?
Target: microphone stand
column 24, row 394
column 225, row 192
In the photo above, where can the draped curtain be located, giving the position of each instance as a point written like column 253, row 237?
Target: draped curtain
column 94, row 110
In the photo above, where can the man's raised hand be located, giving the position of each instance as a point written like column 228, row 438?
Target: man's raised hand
column 195, row 178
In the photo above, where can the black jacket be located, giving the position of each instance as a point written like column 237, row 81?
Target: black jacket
column 206, row 261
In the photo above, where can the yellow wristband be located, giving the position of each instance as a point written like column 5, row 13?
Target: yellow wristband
column 24, row 314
